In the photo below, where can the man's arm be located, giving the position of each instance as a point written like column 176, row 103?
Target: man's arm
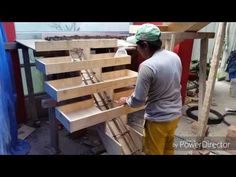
column 143, row 83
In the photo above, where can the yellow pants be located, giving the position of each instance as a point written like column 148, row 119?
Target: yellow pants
column 159, row 137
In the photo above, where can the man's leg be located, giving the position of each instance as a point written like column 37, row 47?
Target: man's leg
column 154, row 138
column 169, row 146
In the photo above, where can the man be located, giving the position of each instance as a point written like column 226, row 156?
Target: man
column 158, row 87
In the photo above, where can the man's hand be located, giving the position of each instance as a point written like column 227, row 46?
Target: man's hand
column 121, row 101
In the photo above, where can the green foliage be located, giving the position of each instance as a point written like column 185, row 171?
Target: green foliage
column 195, row 65
column 66, row 27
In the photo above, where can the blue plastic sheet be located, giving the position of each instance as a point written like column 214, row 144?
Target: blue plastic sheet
column 9, row 143
column 231, row 65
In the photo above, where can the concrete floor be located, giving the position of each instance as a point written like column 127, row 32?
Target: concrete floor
column 88, row 142
column 221, row 100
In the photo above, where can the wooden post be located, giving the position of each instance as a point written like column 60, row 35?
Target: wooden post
column 172, row 42
column 30, row 88
column 202, row 73
column 54, row 136
column 203, row 119
column 167, row 44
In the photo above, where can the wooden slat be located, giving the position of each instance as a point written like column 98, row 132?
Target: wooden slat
column 185, row 26
column 190, row 35
column 60, row 93
column 202, row 72
column 56, row 65
column 65, row 83
column 112, row 146
column 74, row 119
column 117, row 74
column 198, row 26
column 101, row 55
column 172, row 42
column 137, row 137
column 133, row 28
column 126, row 133
column 179, row 37
column 203, row 119
column 167, row 44
column 49, row 103
column 117, row 132
column 77, row 106
column 123, row 93
column 70, row 44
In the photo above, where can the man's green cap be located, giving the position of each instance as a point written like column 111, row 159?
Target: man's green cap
column 146, row 32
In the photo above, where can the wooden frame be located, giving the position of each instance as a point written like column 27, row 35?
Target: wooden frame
column 43, row 46
column 185, row 26
column 174, row 26
column 57, row 65
column 77, row 116
column 64, row 89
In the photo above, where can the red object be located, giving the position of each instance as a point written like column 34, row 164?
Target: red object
column 184, row 50
column 20, row 101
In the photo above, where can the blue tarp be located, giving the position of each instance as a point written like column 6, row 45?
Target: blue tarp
column 231, row 65
column 9, row 143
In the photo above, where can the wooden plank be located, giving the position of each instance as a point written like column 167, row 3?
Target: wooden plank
column 77, row 106
column 124, row 119
column 126, row 133
column 102, row 55
column 24, row 131
column 180, row 29
column 202, row 73
column 185, row 26
column 118, row 135
column 172, row 42
column 137, row 137
column 167, row 44
column 65, row 83
column 63, row 93
column 187, row 35
column 198, row 26
column 133, row 28
column 74, row 117
column 98, row 73
column 123, row 93
column 117, row 74
column 203, row 119
column 85, row 34
column 70, row 44
column 179, row 37
column 56, row 65
column 49, row 103
column 112, row 146
column 194, row 35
